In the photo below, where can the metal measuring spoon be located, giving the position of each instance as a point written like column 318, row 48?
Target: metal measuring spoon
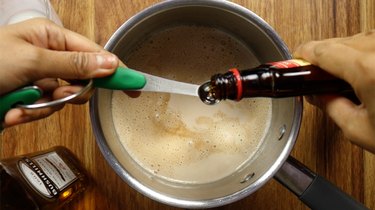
column 123, row 79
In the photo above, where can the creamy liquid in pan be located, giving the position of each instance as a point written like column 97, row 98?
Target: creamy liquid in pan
column 178, row 137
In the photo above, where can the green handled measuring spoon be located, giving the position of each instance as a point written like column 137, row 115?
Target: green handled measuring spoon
column 123, row 79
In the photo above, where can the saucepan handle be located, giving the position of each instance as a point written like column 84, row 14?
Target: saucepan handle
column 315, row 191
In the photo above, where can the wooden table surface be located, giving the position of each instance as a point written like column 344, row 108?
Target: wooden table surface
column 320, row 145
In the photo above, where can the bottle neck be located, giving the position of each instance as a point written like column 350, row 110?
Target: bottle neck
column 225, row 86
column 276, row 80
column 270, row 81
column 235, row 84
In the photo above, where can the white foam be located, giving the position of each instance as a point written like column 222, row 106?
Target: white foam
column 178, row 137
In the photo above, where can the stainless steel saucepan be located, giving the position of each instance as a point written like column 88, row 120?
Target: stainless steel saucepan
column 272, row 159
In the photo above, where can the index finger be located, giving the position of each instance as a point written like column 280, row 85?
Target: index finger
column 78, row 42
column 333, row 56
column 66, row 40
column 46, row 34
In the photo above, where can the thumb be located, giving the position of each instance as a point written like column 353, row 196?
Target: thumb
column 76, row 65
column 353, row 120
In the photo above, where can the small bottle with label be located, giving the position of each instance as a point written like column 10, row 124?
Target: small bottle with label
column 278, row 79
column 42, row 180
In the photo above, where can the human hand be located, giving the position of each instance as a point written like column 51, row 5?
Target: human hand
column 38, row 52
column 353, row 60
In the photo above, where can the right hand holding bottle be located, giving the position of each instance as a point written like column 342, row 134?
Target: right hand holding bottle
column 353, row 60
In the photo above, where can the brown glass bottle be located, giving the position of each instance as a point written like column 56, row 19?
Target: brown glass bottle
column 279, row 79
column 42, row 180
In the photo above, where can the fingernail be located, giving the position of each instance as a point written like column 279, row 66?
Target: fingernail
column 106, row 61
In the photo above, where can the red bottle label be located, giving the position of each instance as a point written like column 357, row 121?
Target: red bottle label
column 289, row 64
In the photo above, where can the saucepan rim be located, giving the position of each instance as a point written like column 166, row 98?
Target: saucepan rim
column 134, row 183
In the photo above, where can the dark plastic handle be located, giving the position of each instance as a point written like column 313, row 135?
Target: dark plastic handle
column 315, row 191
column 321, row 195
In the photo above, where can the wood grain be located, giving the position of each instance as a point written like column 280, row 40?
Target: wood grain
column 320, row 145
